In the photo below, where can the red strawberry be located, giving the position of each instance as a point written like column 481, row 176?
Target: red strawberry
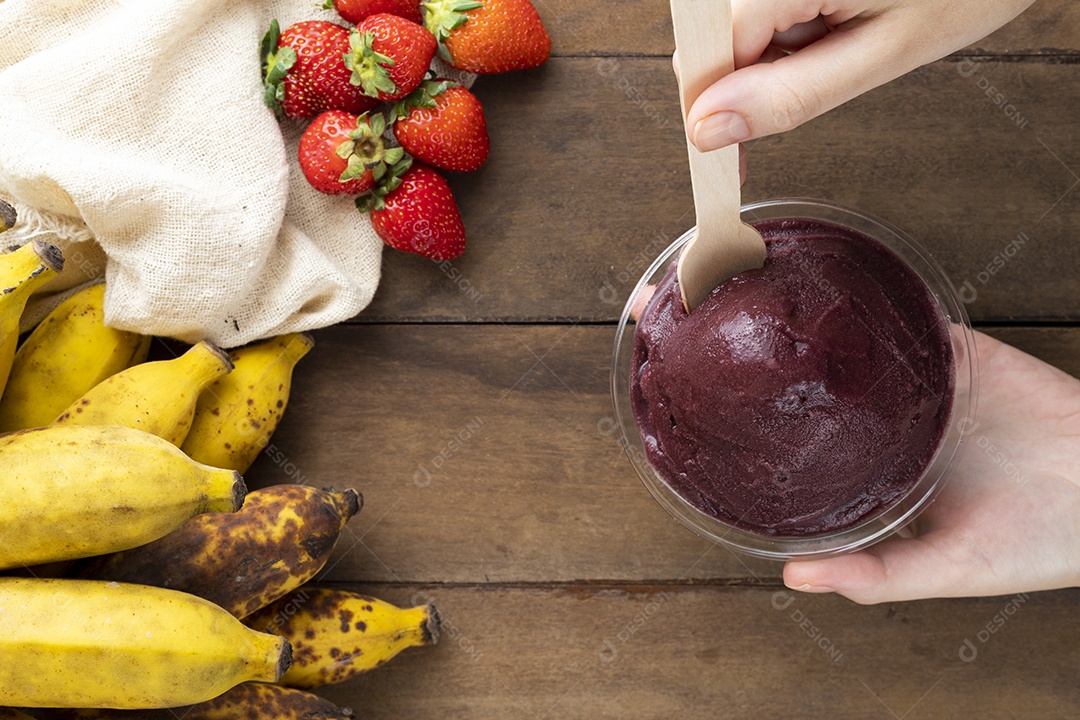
column 355, row 11
column 491, row 36
column 305, row 72
column 342, row 154
column 442, row 124
column 415, row 212
column 389, row 56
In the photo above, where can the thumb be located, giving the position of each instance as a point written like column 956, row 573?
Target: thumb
column 773, row 97
column 892, row 571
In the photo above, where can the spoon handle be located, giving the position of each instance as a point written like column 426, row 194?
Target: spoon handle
column 703, row 38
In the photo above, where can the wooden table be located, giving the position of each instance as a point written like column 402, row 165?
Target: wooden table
column 470, row 402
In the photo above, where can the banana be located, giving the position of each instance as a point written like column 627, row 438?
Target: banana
column 337, row 635
column 156, row 397
column 8, row 216
column 80, row 643
column 279, row 540
column 69, row 353
column 237, row 415
column 247, row 700
column 21, row 272
column 74, row 492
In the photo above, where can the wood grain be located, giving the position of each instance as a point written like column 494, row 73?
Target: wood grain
column 488, row 453
column 664, row 652
column 588, row 181
column 643, row 27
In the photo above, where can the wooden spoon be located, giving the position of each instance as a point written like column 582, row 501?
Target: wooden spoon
column 723, row 245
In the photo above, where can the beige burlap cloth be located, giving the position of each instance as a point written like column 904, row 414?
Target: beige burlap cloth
column 133, row 135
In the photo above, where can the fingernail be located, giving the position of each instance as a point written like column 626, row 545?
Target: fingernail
column 808, row 588
column 720, row 129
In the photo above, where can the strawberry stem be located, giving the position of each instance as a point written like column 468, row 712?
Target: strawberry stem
column 366, row 149
column 369, row 67
column 388, row 181
column 442, row 17
column 423, row 96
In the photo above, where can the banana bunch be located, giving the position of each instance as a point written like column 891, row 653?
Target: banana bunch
column 78, row 643
column 247, row 700
column 65, row 356
column 21, row 273
column 132, row 468
column 74, row 492
column 337, row 635
column 279, row 540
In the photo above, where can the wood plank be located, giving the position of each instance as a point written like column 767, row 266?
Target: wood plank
column 487, row 453
column 657, row 652
column 642, row 27
column 607, row 188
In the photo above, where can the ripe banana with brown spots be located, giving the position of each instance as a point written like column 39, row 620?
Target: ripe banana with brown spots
column 79, row 643
column 337, row 635
column 66, row 355
column 279, row 540
column 155, row 397
column 251, row 700
column 74, row 492
column 21, row 273
column 239, row 412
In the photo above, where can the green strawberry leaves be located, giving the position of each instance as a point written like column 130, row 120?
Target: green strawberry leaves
column 366, row 150
column 369, row 67
column 442, row 17
column 276, row 64
column 386, row 183
column 422, row 97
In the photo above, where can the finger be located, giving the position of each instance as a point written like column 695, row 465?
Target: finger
column 675, row 63
column 641, row 301
column 768, row 98
column 892, row 571
column 756, row 23
column 799, row 36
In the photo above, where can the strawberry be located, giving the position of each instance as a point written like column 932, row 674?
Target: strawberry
column 342, row 154
column 414, row 211
column 389, row 56
column 488, row 36
column 356, row 11
column 442, row 124
column 305, row 72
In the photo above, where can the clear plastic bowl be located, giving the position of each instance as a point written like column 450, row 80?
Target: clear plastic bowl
column 902, row 511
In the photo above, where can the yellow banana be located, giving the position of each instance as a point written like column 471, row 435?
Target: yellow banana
column 247, row 700
column 69, row 353
column 156, row 397
column 21, row 272
column 73, row 492
column 237, row 415
column 337, row 635
column 279, row 540
column 81, row 643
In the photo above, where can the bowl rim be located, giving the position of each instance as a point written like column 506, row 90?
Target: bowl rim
column 902, row 511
